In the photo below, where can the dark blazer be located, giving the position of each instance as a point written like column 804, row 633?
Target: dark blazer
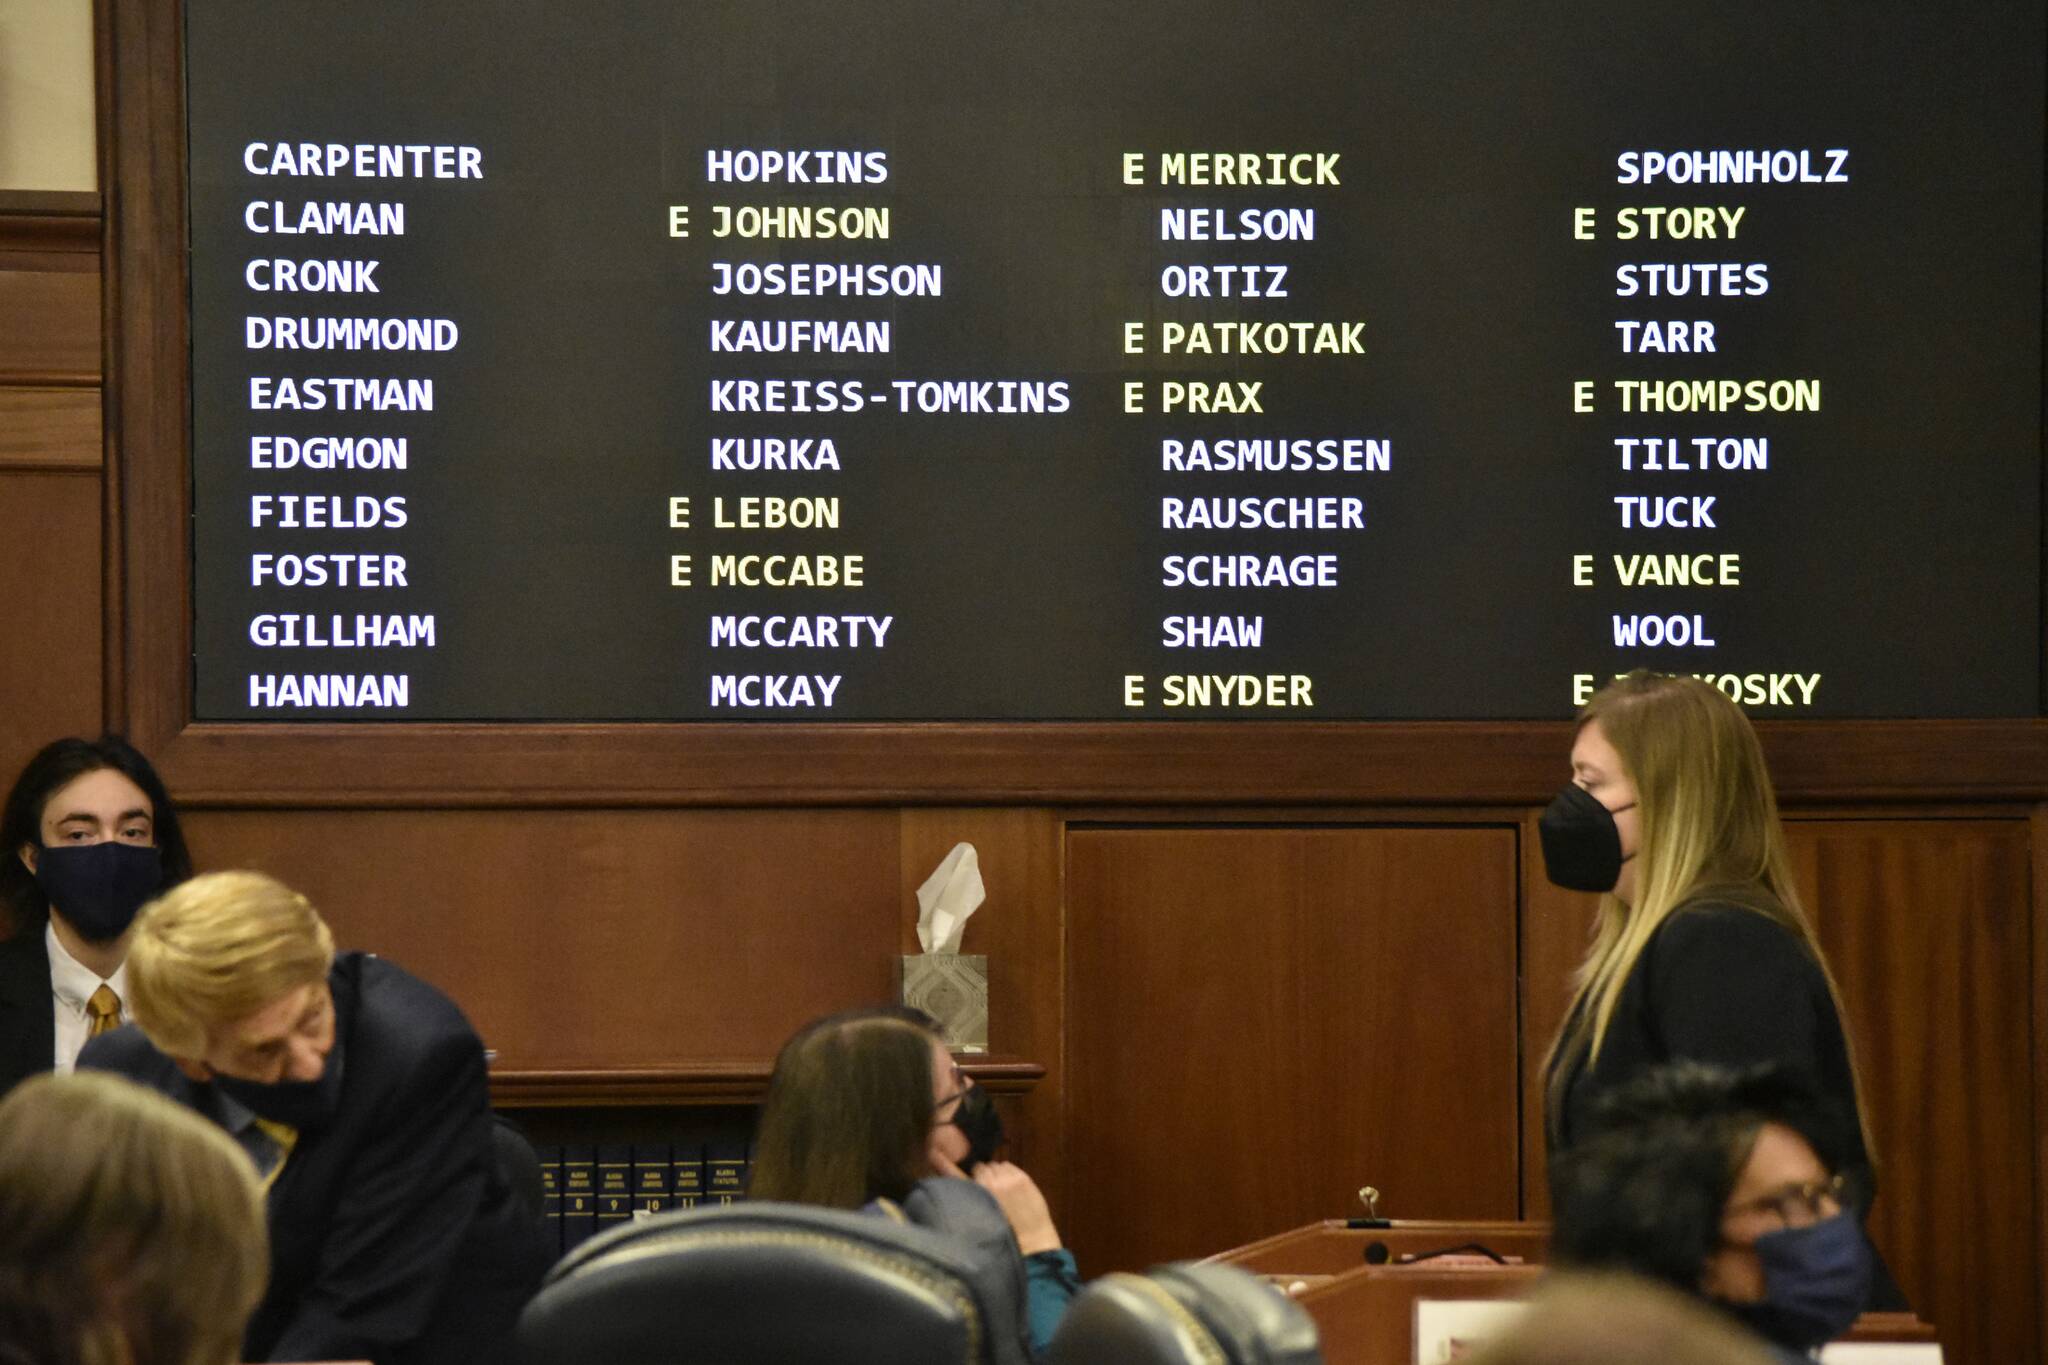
column 393, row 1235
column 28, row 1028
column 1722, row 983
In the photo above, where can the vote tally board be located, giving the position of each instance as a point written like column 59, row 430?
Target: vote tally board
column 771, row 361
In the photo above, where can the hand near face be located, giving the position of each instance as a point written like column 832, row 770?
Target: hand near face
column 1018, row 1194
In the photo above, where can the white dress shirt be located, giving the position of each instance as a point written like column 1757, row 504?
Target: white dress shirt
column 71, row 985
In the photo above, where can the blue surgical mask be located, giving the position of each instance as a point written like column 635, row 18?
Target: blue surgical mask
column 1816, row 1282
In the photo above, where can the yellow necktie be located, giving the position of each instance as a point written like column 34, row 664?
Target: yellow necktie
column 284, row 1137
column 103, row 1011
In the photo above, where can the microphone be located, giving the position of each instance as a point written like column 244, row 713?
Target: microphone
column 1370, row 1197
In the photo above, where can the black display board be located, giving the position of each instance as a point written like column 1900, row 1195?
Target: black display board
column 813, row 361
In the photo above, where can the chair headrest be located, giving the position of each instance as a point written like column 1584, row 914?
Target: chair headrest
column 759, row 1284
column 968, row 1216
column 1185, row 1314
column 1257, row 1324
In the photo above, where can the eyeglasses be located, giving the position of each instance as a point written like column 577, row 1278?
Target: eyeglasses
column 1796, row 1204
column 939, row 1107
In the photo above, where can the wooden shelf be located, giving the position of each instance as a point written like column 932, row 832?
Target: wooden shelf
column 689, row 1083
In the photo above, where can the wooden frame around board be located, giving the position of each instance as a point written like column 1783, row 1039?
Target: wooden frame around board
column 149, row 674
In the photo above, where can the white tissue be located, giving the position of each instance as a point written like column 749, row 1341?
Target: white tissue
column 947, row 898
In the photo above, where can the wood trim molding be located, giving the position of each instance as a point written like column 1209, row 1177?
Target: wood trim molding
column 702, row 1083
column 50, row 431
column 53, row 379
column 148, row 651
column 47, row 467
column 142, row 171
column 51, row 231
column 40, row 232
column 38, row 221
column 2038, row 839
column 51, row 203
column 1410, row 765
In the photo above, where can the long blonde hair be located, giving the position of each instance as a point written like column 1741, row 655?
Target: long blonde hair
column 1707, row 818
column 131, row 1229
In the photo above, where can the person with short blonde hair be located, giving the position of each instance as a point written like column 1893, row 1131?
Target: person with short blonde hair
column 359, row 1092
column 142, row 1244
column 217, row 949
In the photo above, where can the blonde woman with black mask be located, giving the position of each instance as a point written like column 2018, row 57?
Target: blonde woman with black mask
column 1703, row 950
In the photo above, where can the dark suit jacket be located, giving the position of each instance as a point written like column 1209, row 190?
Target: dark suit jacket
column 1722, row 983
column 393, row 1235
column 28, row 1029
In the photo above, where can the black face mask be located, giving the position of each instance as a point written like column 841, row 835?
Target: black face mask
column 305, row 1105
column 1581, row 843
column 976, row 1117
column 98, row 888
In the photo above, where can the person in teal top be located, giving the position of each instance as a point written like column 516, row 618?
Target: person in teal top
column 868, row 1110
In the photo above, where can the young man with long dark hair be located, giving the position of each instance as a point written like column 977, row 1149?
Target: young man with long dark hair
column 87, row 835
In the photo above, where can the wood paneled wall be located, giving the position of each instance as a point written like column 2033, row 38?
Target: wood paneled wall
column 581, row 939
column 1927, row 924
column 1242, row 1015
column 50, row 487
column 1265, row 1020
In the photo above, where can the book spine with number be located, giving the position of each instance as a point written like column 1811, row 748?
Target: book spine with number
column 614, row 1185
column 579, row 1194
column 725, row 1170
column 686, row 1169
column 650, row 1179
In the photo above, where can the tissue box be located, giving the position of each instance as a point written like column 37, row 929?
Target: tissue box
column 953, row 989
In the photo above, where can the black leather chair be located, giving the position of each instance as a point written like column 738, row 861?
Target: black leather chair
column 1185, row 1314
column 763, row 1284
column 519, row 1166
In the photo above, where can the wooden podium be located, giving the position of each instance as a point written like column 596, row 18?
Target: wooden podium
column 1336, row 1245
column 1361, row 1284
column 1353, row 1282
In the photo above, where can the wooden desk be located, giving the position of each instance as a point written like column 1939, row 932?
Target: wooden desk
column 1367, row 1316
column 1365, row 1312
column 1363, row 1301
column 1331, row 1247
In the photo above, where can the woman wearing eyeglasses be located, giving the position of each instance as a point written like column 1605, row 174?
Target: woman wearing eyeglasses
column 1703, row 951
column 1724, row 1185
column 865, row 1108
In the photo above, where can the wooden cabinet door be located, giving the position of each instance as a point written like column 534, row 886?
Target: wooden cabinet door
column 1263, row 1019
column 1927, row 926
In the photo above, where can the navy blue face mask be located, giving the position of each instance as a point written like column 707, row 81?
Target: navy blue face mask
column 305, row 1105
column 1816, row 1282
column 98, row 888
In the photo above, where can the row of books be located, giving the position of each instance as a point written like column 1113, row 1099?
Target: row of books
column 588, row 1189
